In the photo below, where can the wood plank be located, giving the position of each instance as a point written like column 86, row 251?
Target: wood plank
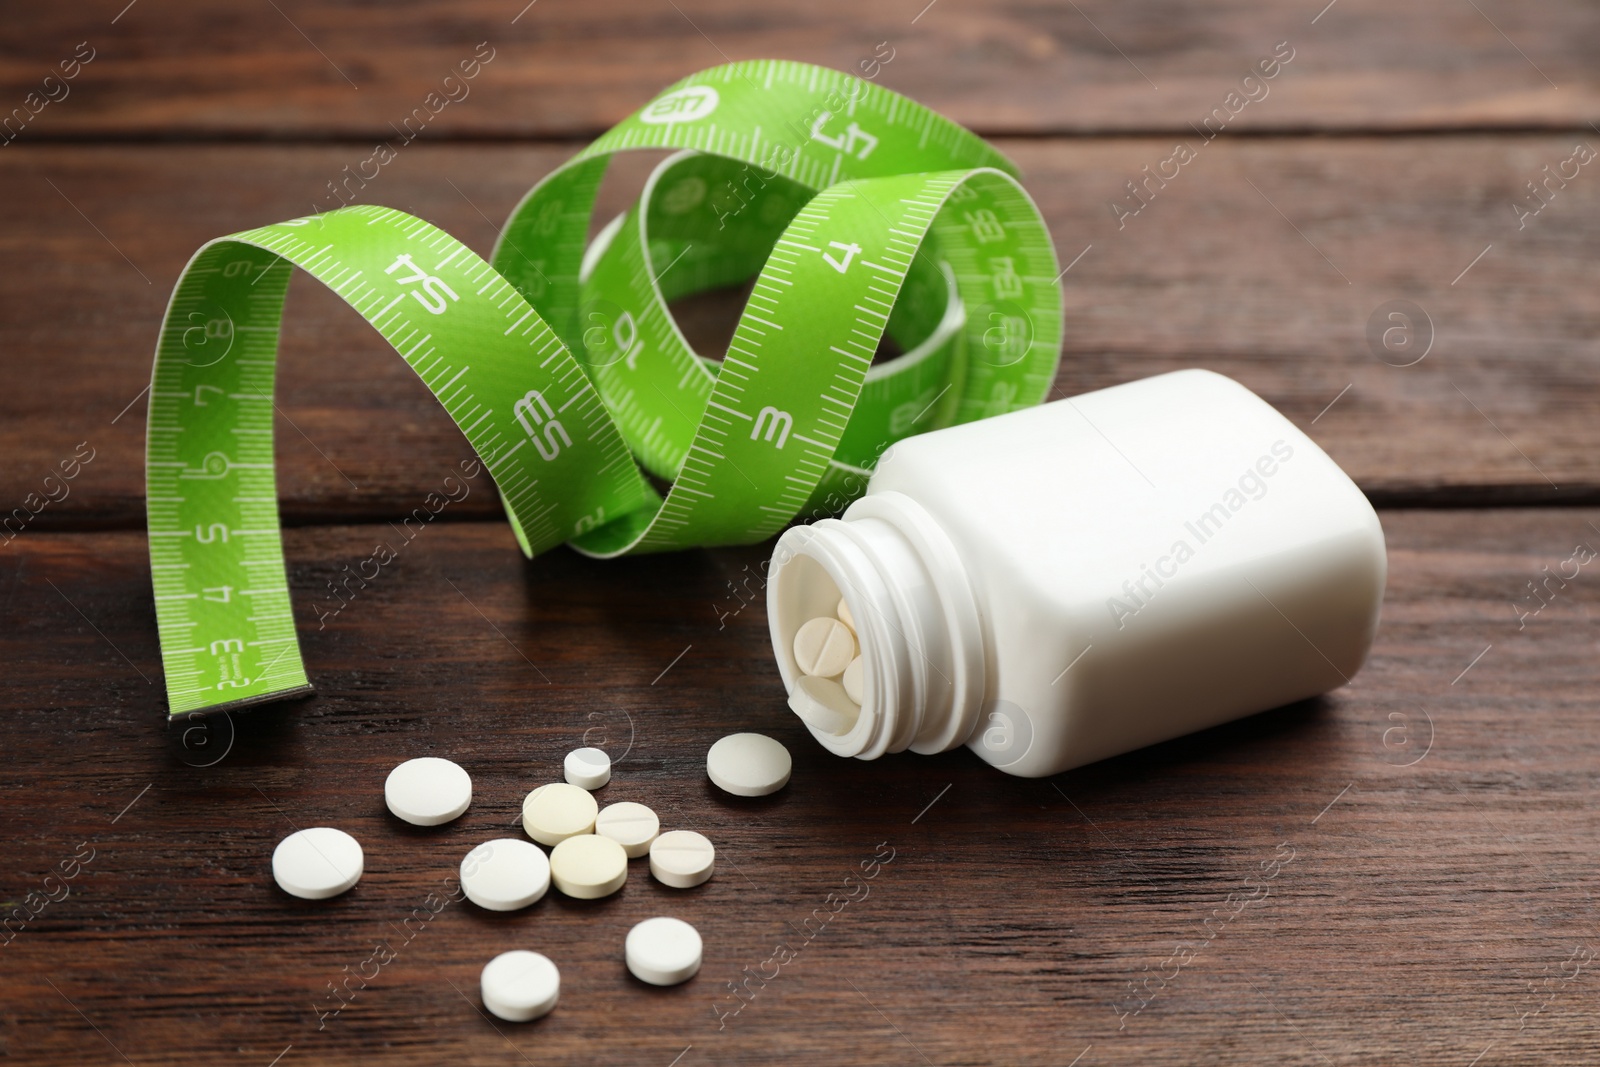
column 1428, row 912
column 294, row 68
column 1263, row 259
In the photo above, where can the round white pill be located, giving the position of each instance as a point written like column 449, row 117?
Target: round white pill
column 663, row 951
column 824, row 647
column 588, row 866
column 317, row 863
column 823, row 704
column 505, row 874
column 428, row 791
column 552, row 813
column 748, row 765
column 682, row 858
column 852, row 680
column 633, row 826
column 519, row 986
column 843, row 611
column 587, row 768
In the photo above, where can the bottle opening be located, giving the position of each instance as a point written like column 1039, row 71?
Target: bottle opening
column 822, row 702
column 893, row 578
column 804, row 588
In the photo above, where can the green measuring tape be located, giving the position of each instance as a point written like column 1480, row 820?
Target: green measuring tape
column 858, row 213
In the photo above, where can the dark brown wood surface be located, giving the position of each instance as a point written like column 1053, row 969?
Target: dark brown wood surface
column 1208, row 273
column 564, row 68
column 1427, row 833
column 1426, row 909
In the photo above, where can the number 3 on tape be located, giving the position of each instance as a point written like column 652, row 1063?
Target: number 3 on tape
column 859, row 214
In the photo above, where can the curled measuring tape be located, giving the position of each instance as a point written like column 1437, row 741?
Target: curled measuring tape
column 858, row 213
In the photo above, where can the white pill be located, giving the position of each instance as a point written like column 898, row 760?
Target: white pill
column 824, row 647
column 682, row 858
column 845, row 617
column 663, row 951
column 823, row 704
column 748, row 765
column 505, row 874
column 317, row 863
column 587, row 768
column 519, row 986
column 428, row 791
column 553, row 813
column 633, row 826
column 852, row 680
column 588, row 866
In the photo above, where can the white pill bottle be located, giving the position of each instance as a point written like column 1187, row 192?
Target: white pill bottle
column 1073, row 581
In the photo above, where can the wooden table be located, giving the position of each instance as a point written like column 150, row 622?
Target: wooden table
column 1428, row 831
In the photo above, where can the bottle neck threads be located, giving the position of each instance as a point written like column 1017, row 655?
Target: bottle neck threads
column 916, row 620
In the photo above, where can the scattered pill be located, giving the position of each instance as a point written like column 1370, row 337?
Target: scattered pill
column 317, row 863
column 682, row 858
column 843, row 611
column 505, row 874
column 824, row 647
column 428, row 791
column 663, row 951
column 852, row 680
column 587, row 768
column 552, row 813
column 748, row 765
column 588, row 866
column 520, row 986
column 633, row 826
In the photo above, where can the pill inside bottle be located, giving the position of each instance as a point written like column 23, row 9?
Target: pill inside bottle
column 823, row 648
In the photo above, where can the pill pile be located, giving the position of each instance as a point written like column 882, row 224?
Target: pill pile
column 589, row 849
column 828, row 654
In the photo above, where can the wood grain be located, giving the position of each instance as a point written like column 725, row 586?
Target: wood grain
column 1263, row 259
column 1425, row 834
column 1425, row 911
column 292, row 68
